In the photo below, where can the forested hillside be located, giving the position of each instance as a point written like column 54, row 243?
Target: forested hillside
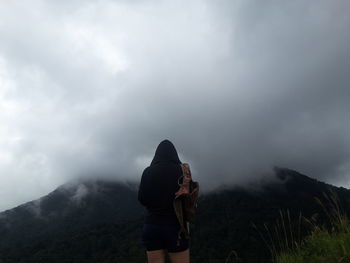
column 98, row 221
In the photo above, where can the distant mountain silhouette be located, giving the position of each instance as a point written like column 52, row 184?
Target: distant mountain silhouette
column 100, row 221
column 67, row 209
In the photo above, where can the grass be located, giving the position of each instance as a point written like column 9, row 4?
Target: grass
column 284, row 235
column 325, row 244
column 320, row 247
column 232, row 257
column 328, row 243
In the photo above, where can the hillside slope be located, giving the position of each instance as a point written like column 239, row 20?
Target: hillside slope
column 103, row 222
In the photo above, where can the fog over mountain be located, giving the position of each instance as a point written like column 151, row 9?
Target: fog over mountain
column 89, row 88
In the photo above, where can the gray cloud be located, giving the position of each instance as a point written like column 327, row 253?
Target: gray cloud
column 90, row 88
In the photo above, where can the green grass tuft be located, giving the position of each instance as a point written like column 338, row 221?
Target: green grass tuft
column 324, row 244
column 320, row 247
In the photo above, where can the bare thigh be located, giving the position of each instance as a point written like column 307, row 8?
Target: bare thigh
column 180, row 257
column 156, row 256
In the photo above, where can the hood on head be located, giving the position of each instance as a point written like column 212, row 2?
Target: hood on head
column 166, row 152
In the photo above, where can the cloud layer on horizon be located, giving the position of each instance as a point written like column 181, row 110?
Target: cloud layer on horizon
column 90, row 88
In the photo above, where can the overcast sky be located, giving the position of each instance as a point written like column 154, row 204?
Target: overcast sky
column 90, row 88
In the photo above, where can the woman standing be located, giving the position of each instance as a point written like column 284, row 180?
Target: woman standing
column 159, row 183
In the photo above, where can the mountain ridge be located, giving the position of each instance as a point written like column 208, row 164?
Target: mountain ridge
column 90, row 211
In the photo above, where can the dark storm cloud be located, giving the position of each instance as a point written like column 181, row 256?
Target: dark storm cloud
column 91, row 88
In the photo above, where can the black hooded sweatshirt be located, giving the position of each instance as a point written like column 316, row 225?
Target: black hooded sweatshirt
column 159, row 183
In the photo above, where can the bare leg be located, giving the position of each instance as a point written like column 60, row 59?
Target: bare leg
column 156, row 256
column 180, row 257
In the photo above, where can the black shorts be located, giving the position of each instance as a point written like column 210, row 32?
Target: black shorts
column 156, row 237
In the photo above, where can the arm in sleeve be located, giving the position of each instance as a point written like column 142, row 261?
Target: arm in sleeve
column 141, row 196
